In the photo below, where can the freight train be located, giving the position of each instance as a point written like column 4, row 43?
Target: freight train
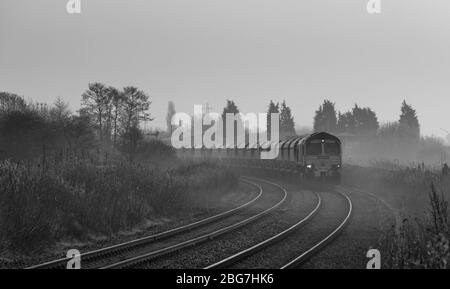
column 313, row 156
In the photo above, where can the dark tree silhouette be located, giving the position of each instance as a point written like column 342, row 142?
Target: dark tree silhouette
column 134, row 109
column 29, row 129
column 366, row 121
column 409, row 122
column 287, row 125
column 325, row 118
column 346, row 122
column 232, row 108
column 96, row 102
column 360, row 121
column 273, row 108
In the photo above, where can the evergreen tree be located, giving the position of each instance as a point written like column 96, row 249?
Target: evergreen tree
column 325, row 118
column 273, row 108
column 287, row 125
column 346, row 122
column 409, row 123
column 409, row 117
column 360, row 121
column 232, row 108
column 365, row 121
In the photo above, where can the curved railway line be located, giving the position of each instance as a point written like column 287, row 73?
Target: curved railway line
column 272, row 242
column 139, row 252
column 144, row 258
column 110, row 255
column 294, row 263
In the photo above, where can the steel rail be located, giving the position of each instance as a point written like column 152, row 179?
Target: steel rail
column 270, row 241
column 197, row 240
column 110, row 250
column 316, row 248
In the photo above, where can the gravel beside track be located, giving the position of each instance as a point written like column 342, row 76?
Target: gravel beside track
column 369, row 220
column 331, row 213
column 264, row 202
column 298, row 205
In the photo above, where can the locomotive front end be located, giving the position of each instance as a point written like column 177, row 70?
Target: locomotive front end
column 322, row 156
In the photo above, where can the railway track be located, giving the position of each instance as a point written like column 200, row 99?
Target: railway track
column 116, row 249
column 107, row 257
column 137, row 253
column 140, row 260
column 303, row 257
column 271, row 242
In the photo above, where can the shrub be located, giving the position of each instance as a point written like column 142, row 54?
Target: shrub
column 421, row 244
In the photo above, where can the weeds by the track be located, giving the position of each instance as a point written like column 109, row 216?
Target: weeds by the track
column 421, row 243
column 421, row 197
column 45, row 203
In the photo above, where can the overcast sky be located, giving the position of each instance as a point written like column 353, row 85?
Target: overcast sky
column 250, row 51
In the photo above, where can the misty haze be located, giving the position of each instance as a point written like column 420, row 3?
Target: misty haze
column 92, row 102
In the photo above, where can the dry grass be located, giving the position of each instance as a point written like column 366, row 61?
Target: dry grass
column 45, row 203
column 421, row 196
column 421, row 243
column 406, row 189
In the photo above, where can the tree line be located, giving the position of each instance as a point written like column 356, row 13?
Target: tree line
column 363, row 122
column 358, row 127
column 108, row 121
column 116, row 115
column 286, row 121
column 400, row 139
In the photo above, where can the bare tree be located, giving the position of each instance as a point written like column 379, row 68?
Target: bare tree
column 11, row 101
column 134, row 109
column 96, row 102
column 116, row 98
column 60, row 110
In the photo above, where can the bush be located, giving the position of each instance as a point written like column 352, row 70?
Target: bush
column 154, row 151
column 421, row 244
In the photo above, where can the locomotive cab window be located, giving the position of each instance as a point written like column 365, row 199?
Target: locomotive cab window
column 332, row 148
column 314, row 148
